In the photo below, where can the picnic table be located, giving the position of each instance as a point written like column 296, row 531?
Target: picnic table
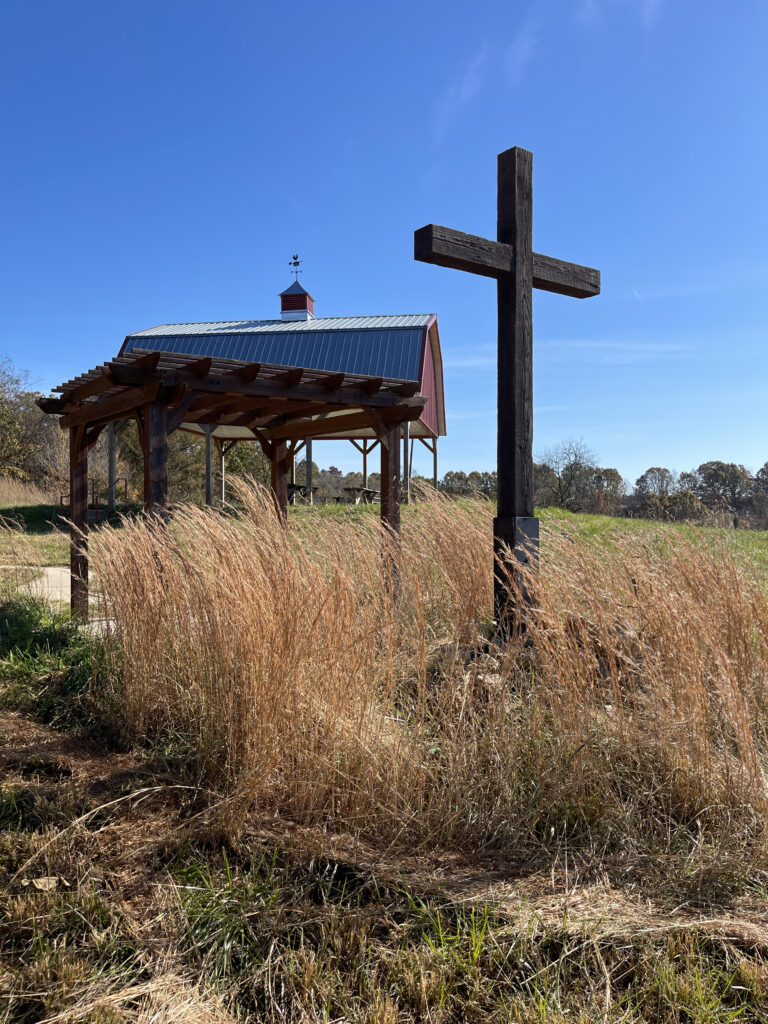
column 362, row 495
column 302, row 490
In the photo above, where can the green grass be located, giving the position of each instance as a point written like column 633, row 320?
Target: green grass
column 46, row 665
column 746, row 546
column 46, row 536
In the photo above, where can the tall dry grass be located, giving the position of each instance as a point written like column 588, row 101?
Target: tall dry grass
column 19, row 493
column 311, row 682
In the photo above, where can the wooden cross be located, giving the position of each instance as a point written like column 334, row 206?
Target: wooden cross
column 517, row 270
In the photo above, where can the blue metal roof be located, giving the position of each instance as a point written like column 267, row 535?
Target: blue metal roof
column 385, row 346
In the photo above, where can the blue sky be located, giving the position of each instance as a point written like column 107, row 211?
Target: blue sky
column 162, row 160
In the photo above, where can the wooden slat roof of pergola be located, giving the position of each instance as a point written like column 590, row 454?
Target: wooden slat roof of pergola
column 252, row 400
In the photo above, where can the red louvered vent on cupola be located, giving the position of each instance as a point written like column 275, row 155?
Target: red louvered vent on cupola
column 296, row 303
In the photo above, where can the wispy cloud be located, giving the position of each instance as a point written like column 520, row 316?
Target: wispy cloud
column 650, row 11
column 616, row 352
column 470, row 84
column 461, row 361
column 589, row 12
column 519, row 54
column 486, row 414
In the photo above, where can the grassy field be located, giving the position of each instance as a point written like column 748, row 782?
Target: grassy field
column 292, row 785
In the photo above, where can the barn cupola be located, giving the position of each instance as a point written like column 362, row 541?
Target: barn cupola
column 296, row 303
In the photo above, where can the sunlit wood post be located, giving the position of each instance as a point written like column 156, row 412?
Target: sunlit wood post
column 390, row 476
column 208, row 464
column 156, row 457
column 111, row 466
column 78, row 516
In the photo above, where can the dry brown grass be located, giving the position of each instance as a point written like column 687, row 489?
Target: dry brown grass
column 19, row 493
column 312, row 684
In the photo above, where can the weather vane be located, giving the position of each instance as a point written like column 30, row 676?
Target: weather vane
column 295, row 262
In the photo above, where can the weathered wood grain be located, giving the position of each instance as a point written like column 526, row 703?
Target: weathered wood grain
column 78, row 517
column 445, row 247
column 390, row 476
column 155, row 415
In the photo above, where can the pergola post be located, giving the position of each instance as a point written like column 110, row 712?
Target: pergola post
column 308, row 470
column 222, row 470
column 155, row 457
column 434, row 462
column 390, row 476
column 406, row 465
column 78, row 516
column 208, row 464
column 280, row 469
column 111, row 460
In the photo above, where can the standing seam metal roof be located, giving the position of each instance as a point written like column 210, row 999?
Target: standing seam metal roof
column 380, row 346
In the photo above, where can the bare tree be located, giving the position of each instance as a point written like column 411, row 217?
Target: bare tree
column 573, row 464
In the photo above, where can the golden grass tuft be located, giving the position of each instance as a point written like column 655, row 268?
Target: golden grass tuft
column 20, row 493
column 314, row 684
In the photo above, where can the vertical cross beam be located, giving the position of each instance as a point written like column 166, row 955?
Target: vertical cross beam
column 390, row 476
column 155, row 457
column 514, row 526
column 280, row 469
column 78, row 516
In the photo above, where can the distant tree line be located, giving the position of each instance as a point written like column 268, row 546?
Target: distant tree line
column 569, row 476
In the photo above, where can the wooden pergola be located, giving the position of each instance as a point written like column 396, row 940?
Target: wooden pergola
column 281, row 406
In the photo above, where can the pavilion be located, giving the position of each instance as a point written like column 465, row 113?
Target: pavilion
column 280, row 383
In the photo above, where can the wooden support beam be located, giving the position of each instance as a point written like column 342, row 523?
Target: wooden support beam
column 246, row 373
column 407, row 389
column 431, row 446
column 177, row 413
column 145, row 363
column 406, row 463
column 200, row 368
column 370, row 387
column 334, row 382
column 390, row 477
column 155, row 415
column 329, row 425
column 92, row 387
column 208, row 465
column 111, row 465
column 78, row 517
column 280, row 470
column 317, row 389
column 52, row 406
column 290, row 378
column 114, row 408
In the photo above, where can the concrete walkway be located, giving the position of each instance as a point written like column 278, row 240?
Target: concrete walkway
column 53, row 585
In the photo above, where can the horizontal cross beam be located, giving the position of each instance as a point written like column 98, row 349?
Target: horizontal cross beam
column 264, row 387
column 317, row 428
column 445, row 247
column 114, row 408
